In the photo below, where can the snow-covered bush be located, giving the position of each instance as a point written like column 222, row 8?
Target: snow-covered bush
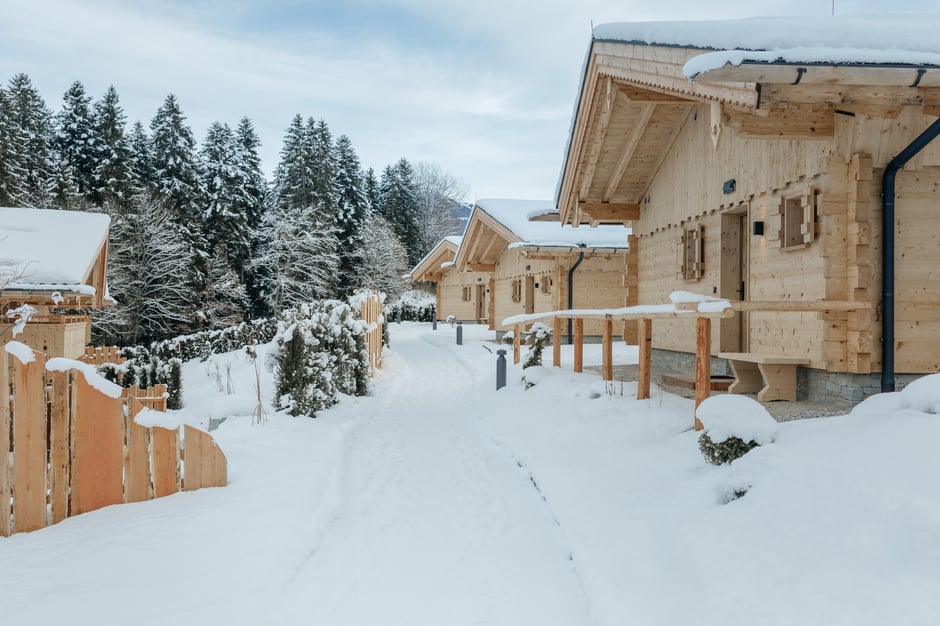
column 145, row 369
column 733, row 426
column 321, row 352
column 538, row 337
column 411, row 306
column 203, row 344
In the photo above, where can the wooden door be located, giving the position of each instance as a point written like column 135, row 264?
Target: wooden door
column 481, row 303
column 529, row 294
column 735, row 238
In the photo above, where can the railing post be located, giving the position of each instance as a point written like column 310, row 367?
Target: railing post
column 607, row 349
column 556, row 343
column 646, row 344
column 703, row 376
column 516, row 342
column 579, row 345
column 500, row 369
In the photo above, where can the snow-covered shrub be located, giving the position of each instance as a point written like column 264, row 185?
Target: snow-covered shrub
column 538, row 337
column 733, row 426
column 411, row 306
column 321, row 352
column 144, row 369
column 203, row 344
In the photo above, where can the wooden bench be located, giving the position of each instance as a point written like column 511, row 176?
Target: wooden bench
column 772, row 377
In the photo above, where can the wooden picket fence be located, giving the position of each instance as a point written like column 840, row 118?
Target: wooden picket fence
column 102, row 354
column 372, row 315
column 67, row 447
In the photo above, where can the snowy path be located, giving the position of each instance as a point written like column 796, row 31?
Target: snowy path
column 438, row 526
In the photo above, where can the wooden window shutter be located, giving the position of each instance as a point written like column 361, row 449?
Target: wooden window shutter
column 699, row 234
column 680, row 254
column 808, row 228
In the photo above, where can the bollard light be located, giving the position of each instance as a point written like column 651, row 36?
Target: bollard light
column 500, row 369
column 434, row 323
column 459, row 333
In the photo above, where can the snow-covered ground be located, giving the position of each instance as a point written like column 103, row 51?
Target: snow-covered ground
column 438, row 500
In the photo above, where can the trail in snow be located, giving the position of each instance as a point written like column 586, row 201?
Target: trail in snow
column 437, row 525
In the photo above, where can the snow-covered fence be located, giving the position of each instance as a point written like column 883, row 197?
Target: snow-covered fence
column 80, row 443
column 101, row 355
column 371, row 314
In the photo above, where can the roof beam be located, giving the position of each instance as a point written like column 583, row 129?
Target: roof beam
column 840, row 95
column 597, row 140
column 481, row 267
column 646, row 112
column 787, row 122
column 638, row 94
column 611, row 211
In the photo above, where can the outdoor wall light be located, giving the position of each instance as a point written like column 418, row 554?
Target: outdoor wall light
column 758, row 228
column 729, row 186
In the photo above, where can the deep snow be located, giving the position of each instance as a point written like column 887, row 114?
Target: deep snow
column 438, row 500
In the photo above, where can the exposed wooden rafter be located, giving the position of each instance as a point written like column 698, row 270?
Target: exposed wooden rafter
column 611, row 211
column 482, row 267
column 646, row 112
column 597, row 140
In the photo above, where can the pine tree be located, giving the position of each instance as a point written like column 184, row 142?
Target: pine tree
column 323, row 166
column 351, row 213
column 30, row 130
column 114, row 164
column 141, row 163
column 224, row 300
column 146, row 277
column 226, row 227
column 398, row 203
column 253, row 185
column 372, row 190
column 293, row 178
column 74, row 140
column 11, row 165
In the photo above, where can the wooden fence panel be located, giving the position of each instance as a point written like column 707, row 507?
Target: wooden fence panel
column 371, row 313
column 137, row 483
column 6, row 526
column 60, row 430
column 204, row 464
column 165, row 460
column 29, row 444
column 98, row 449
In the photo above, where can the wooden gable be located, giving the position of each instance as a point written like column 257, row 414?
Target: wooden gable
column 429, row 268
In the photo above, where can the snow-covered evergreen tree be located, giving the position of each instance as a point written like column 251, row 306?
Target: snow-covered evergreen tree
column 398, row 203
column 9, row 161
column 114, row 165
column 323, row 172
column 384, row 259
column 141, row 158
column 224, row 300
column 226, row 227
column 372, row 190
column 293, row 178
column 147, row 276
column 351, row 213
column 252, row 184
column 74, row 142
column 30, row 128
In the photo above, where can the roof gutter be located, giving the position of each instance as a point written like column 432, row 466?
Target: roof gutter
column 887, row 251
column 571, row 289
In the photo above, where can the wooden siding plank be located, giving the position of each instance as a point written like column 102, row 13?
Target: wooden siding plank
column 61, row 444
column 138, row 484
column 165, row 460
column 6, row 525
column 98, row 449
column 29, row 444
column 205, row 464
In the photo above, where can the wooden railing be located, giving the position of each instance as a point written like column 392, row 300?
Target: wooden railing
column 102, row 354
column 371, row 313
column 76, row 447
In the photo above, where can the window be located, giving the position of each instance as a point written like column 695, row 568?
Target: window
column 691, row 253
column 467, row 294
column 545, row 283
column 798, row 220
column 517, row 290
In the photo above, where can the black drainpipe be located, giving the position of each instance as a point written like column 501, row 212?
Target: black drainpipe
column 887, row 252
column 571, row 289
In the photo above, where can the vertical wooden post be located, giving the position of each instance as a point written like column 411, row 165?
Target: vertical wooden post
column 61, row 444
column 646, row 352
column 556, row 342
column 607, row 349
column 703, row 375
column 5, row 521
column 579, row 345
column 516, row 341
column 30, row 479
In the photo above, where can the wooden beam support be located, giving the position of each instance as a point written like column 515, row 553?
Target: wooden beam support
column 638, row 95
column 786, row 122
column 841, row 95
column 607, row 349
column 646, row 345
column 611, row 211
column 643, row 119
column 481, row 267
column 703, row 374
column 557, row 325
column 597, row 140
column 579, row 345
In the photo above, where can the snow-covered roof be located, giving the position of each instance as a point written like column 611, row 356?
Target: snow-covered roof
column 454, row 239
column 49, row 249
column 515, row 215
column 904, row 39
column 419, row 269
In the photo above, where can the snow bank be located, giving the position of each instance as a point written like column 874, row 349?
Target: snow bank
column 92, row 377
column 922, row 395
column 149, row 418
column 21, row 351
column 730, row 415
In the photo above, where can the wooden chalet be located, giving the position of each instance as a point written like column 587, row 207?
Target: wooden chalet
column 749, row 158
column 526, row 258
column 54, row 261
column 458, row 294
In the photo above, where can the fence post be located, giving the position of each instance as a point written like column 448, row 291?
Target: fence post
column 703, row 382
column 500, row 369
column 646, row 343
column 459, row 333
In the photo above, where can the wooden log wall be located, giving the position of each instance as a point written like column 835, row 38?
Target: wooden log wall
column 75, row 449
column 450, row 293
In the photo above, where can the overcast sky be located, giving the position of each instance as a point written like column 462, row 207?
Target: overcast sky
column 484, row 88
